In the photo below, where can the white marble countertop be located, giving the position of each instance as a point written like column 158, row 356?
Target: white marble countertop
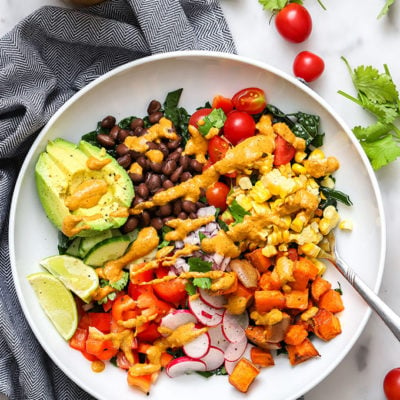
column 350, row 29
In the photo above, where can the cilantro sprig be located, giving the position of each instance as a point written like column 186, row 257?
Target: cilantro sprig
column 215, row 119
column 276, row 5
column 196, row 264
column 377, row 94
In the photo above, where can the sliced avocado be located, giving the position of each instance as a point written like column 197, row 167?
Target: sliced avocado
column 60, row 171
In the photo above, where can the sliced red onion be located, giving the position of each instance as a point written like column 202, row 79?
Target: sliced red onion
column 206, row 211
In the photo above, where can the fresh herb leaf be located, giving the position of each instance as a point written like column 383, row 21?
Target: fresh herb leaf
column 273, row 5
column 218, row 371
column 339, row 289
column 237, row 211
column 385, row 8
column 120, row 283
column 336, row 195
column 203, row 283
column 164, row 231
column 202, row 236
column 190, row 288
column 196, row 264
column 377, row 94
column 224, row 226
column 215, row 119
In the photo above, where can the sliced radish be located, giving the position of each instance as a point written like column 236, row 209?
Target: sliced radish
column 177, row 318
column 184, row 365
column 230, row 365
column 235, row 350
column 207, row 315
column 232, row 327
column 214, row 358
column 198, row 347
column 213, row 301
column 217, row 337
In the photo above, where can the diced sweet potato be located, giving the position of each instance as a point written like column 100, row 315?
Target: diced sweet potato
column 331, row 300
column 269, row 281
column 297, row 299
column 301, row 352
column 326, row 325
column 266, row 300
column 243, row 375
column 261, row 262
column 239, row 300
column 142, row 383
column 304, row 271
column 318, row 287
column 261, row 357
column 295, row 334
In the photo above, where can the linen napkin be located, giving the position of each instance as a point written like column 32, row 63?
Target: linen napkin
column 44, row 60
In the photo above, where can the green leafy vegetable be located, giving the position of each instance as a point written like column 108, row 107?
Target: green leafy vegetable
column 63, row 243
column 215, row 119
column 385, row 8
column 196, row 264
column 164, row 231
column 276, row 5
column 332, row 196
column 377, row 93
column 203, row 283
column 237, row 211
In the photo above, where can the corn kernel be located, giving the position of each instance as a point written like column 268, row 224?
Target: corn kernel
column 260, row 208
column 328, row 182
column 299, row 169
column 298, row 223
column 269, row 251
column 346, row 225
column 316, row 154
column 283, row 247
column 329, row 221
column 244, row 201
column 300, row 156
column 308, row 314
column 245, row 183
column 259, row 193
column 310, row 249
column 320, row 265
column 284, row 268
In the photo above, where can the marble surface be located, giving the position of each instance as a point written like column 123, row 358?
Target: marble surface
column 350, row 29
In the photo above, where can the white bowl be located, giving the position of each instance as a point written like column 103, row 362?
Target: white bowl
column 126, row 91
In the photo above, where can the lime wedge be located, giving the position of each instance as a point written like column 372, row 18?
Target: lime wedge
column 74, row 274
column 57, row 302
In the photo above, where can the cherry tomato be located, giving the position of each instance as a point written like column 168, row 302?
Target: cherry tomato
column 308, row 66
column 216, row 195
column 294, row 23
column 222, row 102
column 217, row 148
column 284, row 151
column 391, row 384
column 198, row 115
column 251, row 100
column 238, row 126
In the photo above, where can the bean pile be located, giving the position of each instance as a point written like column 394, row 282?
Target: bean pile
column 156, row 176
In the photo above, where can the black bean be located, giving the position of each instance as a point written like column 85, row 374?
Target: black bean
column 176, row 174
column 196, row 165
column 164, row 149
column 155, row 117
column 114, row 132
column 122, row 135
column 145, row 218
column 122, row 149
column 182, row 215
column 185, row 176
column 174, row 156
column 108, row 122
column 165, row 210
column 174, row 144
column 169, row 167
column 167, row 184
column 135, row 154
column 192, row 215
column 153, row 183
column 177, row 207
column 137, row 200
column 105, row 140
column 136, row 123
column 131, row 224
column 125, row 161
column 166, row 219
column 142, row 162
column 136, row 178
column 143, row 191
column 155, row 167
column 157, row 223
column 199, row 204
column 153, row 107
column 152, row 145
column 184, row 161
column 188, row 206
column 159, row 190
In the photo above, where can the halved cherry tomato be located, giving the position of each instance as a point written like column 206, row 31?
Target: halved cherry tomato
column 251, row 100
column 217, row 148
column 284, row 151
column 308, row 66
column 294, row 23
column 101, row 321
column 216, row 195
column 391, row 384
column 198, row 115
column 172, row 291
column 225, row 103
column 238, row 126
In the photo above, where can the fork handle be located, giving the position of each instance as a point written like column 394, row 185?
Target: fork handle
column 389, row 317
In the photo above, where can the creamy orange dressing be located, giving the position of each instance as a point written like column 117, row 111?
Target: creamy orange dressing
column 182, row 227
column 98, row 366
column 87, row 194
column 197, row 145
column 102, row 292
column 221, row 244
column 95, row 164
column 284, row 131
column 122, row 212
column 135, row 168
column 155, row 155
column 146, row 241
column 70, row 225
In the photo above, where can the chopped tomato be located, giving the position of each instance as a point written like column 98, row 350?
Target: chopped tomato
column 145, row 276
column 225, row 103
column 149, row 332
column 134, row 287
column 103, row 349
column 124, row 308
column 101, row 321
column 284, row 151
column 172, row 291
column 78, row 340
column 150, row 302
column 122, row 361
column 84, row 321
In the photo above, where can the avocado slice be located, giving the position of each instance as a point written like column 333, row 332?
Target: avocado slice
column 62, row 171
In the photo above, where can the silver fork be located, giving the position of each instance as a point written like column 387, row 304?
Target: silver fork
column 389, row 317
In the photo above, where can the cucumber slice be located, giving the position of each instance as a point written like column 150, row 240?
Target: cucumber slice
column 107, row 250
column 73, row 249
column 89, row 242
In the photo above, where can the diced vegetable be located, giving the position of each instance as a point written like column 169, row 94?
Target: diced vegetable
column 243, row 375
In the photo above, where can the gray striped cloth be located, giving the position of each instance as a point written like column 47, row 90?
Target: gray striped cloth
column 44, row 60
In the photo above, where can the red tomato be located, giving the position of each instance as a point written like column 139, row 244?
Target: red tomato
column 222, row 102
column 78, row 340
column 284, row 151
column 102, row 349
column 148, row 332
column 391, row 384
column 294, row 23
column 124, row 308
column 217, row 148
column 308, row 66
column 238, row 126
column 172, row 291
column 101, row 321
column 251, row 100
column 198, row 115
column 216, row 195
